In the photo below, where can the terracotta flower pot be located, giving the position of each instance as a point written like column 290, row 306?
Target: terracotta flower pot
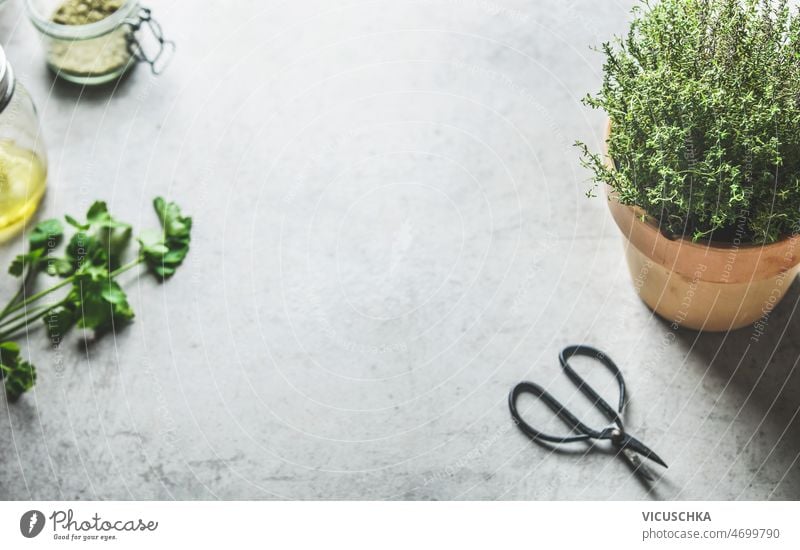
column 712, row 287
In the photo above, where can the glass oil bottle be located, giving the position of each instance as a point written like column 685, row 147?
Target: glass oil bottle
column 23, row 164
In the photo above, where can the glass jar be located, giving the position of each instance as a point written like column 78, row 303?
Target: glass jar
column 23, row 164
column 101, row 51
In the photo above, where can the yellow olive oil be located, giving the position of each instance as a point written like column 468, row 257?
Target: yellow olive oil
column 22, row 182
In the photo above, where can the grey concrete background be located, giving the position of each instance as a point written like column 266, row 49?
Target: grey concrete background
column 391, row 231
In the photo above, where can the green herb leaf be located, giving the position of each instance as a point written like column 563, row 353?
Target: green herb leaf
column 46, row 234
column 18, row 376
column 102, row 240
column 84, row 248
column 165, row 251
column 59, row 321
column 59, row 266
column 103, row 305
column 23, row 261
column 76, row 224
column 43, row 238
column 99, row 217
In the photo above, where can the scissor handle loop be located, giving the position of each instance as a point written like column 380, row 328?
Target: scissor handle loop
column 584, row 431
column 586, row 389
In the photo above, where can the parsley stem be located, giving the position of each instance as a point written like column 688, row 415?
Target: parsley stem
column 26, row 313
column 38, row 295
column 24, row 318
column 27, row 319
column 12, row 302
column 20, row 292
column 69, row 280
column 126, row 267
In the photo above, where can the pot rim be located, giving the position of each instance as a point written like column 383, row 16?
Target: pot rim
column 745, row 261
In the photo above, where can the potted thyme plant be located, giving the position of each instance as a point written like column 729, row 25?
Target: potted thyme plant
column 702, row 167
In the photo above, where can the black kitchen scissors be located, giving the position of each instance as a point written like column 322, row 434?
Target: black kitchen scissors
column 628, row 447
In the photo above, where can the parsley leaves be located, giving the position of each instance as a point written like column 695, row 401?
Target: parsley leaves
column 91, row 298
column 164, row 251
column 17, row 375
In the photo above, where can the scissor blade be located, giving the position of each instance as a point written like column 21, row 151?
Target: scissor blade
column 636, row 464
column 635, row 445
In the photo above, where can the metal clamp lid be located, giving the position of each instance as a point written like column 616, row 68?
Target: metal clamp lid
column 165, row 48
column 7, row 80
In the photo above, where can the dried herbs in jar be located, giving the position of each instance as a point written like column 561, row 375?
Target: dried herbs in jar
column 95, row 41
column 96, row 56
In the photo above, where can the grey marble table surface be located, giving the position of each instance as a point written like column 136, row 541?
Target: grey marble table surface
column 391, row 230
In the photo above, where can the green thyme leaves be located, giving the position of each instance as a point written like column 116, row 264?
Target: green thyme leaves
column 704, row 102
